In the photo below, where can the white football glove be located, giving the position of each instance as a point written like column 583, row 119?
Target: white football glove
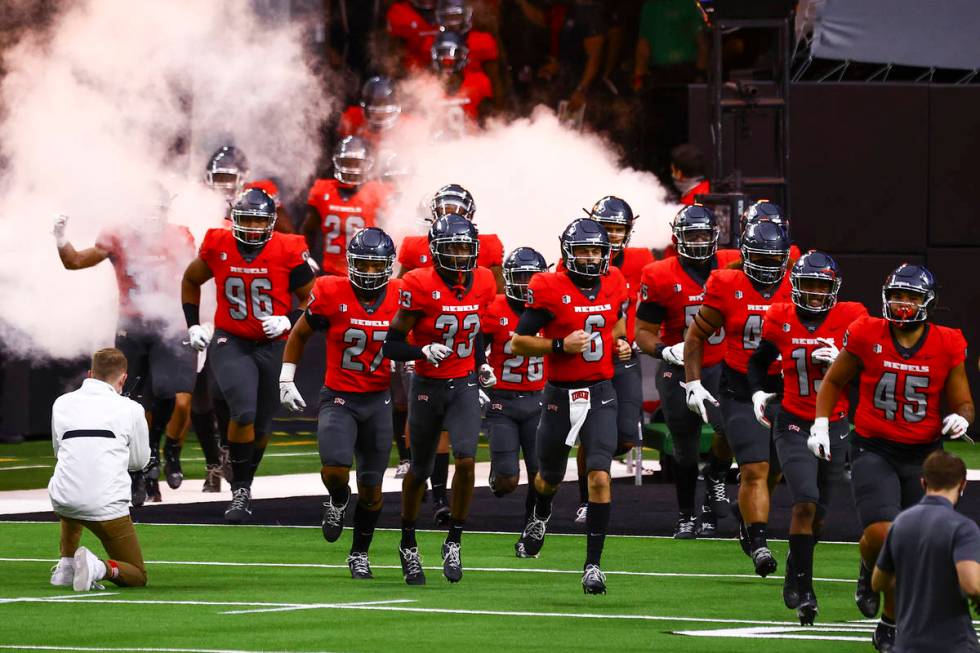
column 674, row 354
column 760, row 400
column 484, row 400
column 955, row 425
column 697, row 394
column 819, row 441
column 274, row 326
column 289, row 394
column 826, row 354
column 409, row 367
column 487, row 378
column 60, row 224
column 198, row 337
column 436, row 353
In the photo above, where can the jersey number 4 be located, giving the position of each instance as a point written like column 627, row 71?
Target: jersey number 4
column 239, row 297
column 915, row 402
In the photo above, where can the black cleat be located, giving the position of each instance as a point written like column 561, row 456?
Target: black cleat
column 764, row 561
column 440, row 512
column 412, row 566
column 593, row 580
column 685, row 528
column 707, row 523
column 212, row 479
column 743, row 532
column 138, row 488
column 452, row 567
column 791, row 595
column 867, row 599
column 716, row 495
column 884, row 637
column 807, row 608
column 152, row 476
column 239, row 509
column 171, row 465
column 333, row 520
column 532, row 539
column 360, row 568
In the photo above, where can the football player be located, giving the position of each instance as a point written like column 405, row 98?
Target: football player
column 441, row 307
column 671, row 293
column 737, row 299
column 908, row 369
column 766, row 211
column 805, row 336
column 580, row 310
column 355, row 415
column 617, row 217
column 466, row 92
column 410, row 22
column 514, row 406
column 376, row 113
column 146, row 257
column 227, row 172
column 342, row 206
column 255, row 269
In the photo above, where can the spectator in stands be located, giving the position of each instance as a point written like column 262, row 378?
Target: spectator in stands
column 687, row 172
column 671, row 48
column 578, row 36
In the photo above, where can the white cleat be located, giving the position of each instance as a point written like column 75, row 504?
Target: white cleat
column 63, row 573
column 89, row 570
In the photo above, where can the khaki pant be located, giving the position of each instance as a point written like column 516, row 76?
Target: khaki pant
column 119, row 539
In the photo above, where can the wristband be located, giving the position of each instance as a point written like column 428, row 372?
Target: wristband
column 558, row 346
column 658, row 351
column 287, row 373
column 192, row 314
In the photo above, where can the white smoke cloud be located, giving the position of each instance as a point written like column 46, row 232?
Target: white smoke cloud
column 92, row 112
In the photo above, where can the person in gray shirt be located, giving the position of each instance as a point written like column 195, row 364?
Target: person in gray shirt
column 932, row 558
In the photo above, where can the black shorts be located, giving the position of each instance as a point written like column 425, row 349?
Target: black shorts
column 684, row 425
column 355, row 424
column 512, row 418
column 159, row 365
column 809, row 478
column 628, row 383
column 749, row 441
column 437, row 405
column 247, row 373
column 884, row 484
column 597, row 436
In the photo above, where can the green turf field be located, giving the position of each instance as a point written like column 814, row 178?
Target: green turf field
column 285, row 589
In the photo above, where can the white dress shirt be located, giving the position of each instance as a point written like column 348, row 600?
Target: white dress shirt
column 98, row 437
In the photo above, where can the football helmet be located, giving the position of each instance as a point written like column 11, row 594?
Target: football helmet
column 352, row 161
column 379, row 99
column 907, row 278
column 449, row 53
column 453, row 198
column 251, row 207
column 695, row 232
column 611, row 210
column 519, row 266
column 445, row 235
column 227, row 171
column 765, row 252
column 815, row 266
column 581, row 233
column 371, row 245
column 764, row 211
column 454, row 15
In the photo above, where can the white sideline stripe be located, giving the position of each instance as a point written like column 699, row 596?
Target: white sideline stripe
column 748, row 633
column 304, row 606
column 28, row 599
column 38, row 647
column 520, row 570
column 10, row 469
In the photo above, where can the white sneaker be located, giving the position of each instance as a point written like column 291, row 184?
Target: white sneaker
column 63, row 573
column 89, row 570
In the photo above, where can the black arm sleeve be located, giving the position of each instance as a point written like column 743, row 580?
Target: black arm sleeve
column 651, row 312
column 532, row 321
column 316, row 322
column 759, row 365
column 300, row 275
column 480, row 353
column 397, row 349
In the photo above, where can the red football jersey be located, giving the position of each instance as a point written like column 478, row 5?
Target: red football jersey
column 668, row 284
column 355, row 334
column 900, row 397
column 796, row 344
column 464, row 102
column 514, row 372
column 447, row 317
column 634, row 260
column 248, row 290
column 555, row 293
column 352, row 121
column 414, row 252
column 407, row 24
column 149, row 265
column 342, row 215
column 482, row 47
column 732, row 294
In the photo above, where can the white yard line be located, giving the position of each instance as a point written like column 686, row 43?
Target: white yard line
column 127, row 649
column 10, row 469
column 320, row 605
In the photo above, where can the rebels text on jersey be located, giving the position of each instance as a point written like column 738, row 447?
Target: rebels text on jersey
column 667, row 284
column 248, row 290
column 447, row 315
column 631, row 265
column 342, row 214
column 514, row 372
column 732, row 294
column 355, row 333
column 573, row 310
column 414, row 252
column 900, row 395
column 796, row 344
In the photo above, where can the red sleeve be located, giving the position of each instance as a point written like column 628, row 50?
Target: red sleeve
column 321, row 296
column 401, row 22
column 489, row 320
column 489, row 287
column 956, row 346
column 413, row 296
column 408, row 253
column 495, row 253
column 210, row 246
column 772, row 323
column 714, row 291
column 540, row 293
column 297, row 253
column 316, row 193
column 856, row 337
column 650, row 289
column 483, row 47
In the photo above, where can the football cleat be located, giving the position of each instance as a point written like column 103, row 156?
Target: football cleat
column 707, row 523
column 402, row 468
column 764, row 561
column 532, row 538
column 867, row 599
column 440, row 512
column 360, row 568
column 743, row 532
column 63, row 573
column 138, row 488
column 685, row 528
column 333, row 520
column 593, row 580
column 791, row 594
column 152, row 475
column 212, row 479
column 716, row 495
column 807, row 608
column 171, row 466
column 412, row 566
column 581, row 513
column 239, row 509
column 452, row 567
column 884, row 637
column 89, row 570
